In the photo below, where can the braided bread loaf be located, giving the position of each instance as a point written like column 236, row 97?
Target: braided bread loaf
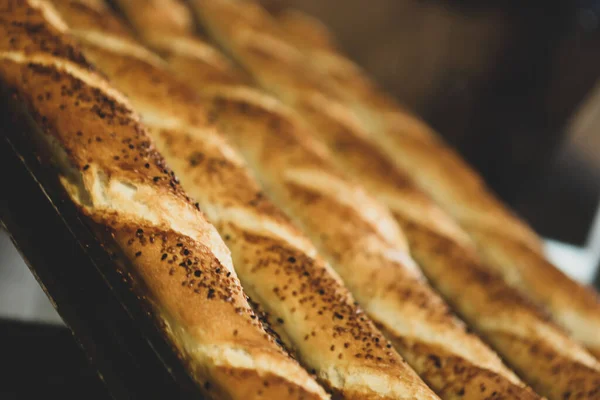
column 446, row 253
column 381, row 275
column 506, row 243
column 305, row 301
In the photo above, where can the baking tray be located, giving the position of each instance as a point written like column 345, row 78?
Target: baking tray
column 116, row 330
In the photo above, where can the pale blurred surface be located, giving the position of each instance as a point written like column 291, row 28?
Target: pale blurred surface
column 21, row 297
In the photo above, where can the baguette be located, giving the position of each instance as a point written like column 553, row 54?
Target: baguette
column 304, row 30
column 167, row 28
column 506, row 243
column 172, row 38
column 110, row 169
column 513, row 326
column 304, row 299
column 453, row 362
column 364, row 245
column 499, row 313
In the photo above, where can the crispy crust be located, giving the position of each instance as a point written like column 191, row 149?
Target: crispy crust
column 305, row 301
column 448, row 258
column 508, row 322
column 232, row 359
column 307, row 305
column 240, row 111
column 171, row 35
column 489, row 295
column 304, row 30
column 507, row 244
column 449, row 261
column 388, row 287
column 110, row 169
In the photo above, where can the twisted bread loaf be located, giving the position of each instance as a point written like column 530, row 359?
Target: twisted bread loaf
column 373, row 263
column 278, row 267
column 110, row 169
column 507, row 244
column 446, row 253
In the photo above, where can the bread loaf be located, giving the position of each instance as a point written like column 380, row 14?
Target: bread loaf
column 455, row 363
column 304, row 299
column 449, row 259
column 507, row 244
column 364, row 245
column 512, row 325
column 112, row 172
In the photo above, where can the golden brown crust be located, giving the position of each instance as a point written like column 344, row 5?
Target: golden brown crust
column 252, row 385
column 153, row 18
column 167, row 28
column 192, row 289
column 574, row 307
column 310, row 35
column 304, row 30
column 444, row 248
column 569, row 379
column 444, row 253
column 86, row 14
column 458, row 189
column 305, row 300
column 343, row 134
column 287, row 273
column 111, row 170
column 252, row 38
column 512, row 249
column 459, row 378
column 371, row 260
column 459, row 278
column 508, row 322
column 488, row 294
column 240, row 111
column 202, row 73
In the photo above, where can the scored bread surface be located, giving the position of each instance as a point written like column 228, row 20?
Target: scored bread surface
column 111, row 170
column 305, row 301
column 506, row 243
column 271, row 137
column 513, row 326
